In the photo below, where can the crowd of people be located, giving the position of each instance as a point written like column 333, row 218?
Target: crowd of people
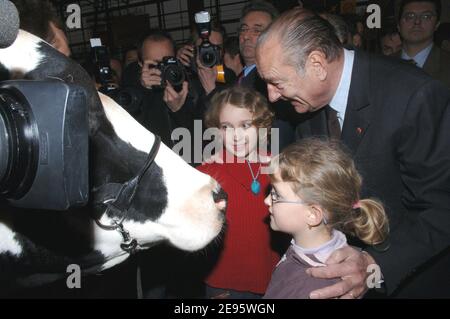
column 363, row 171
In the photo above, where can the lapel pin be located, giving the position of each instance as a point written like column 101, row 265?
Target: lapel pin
column 359, row 130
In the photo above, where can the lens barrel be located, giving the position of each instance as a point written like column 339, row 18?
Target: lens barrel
column 19, row 142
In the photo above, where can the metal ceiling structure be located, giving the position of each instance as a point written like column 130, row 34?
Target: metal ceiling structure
column 105, row 18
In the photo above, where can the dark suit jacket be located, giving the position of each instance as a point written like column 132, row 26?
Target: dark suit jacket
column 253, row 80
column 397, row 126
column 437, row 64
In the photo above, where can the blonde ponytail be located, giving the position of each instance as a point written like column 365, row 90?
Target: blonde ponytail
column 322, row 172
column 369, row 222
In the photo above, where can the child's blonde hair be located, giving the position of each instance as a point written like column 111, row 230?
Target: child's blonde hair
column 321, row 172
column 240, row 97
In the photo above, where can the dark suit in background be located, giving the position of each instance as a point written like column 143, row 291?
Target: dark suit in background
column 397, row 126
column 437, row 65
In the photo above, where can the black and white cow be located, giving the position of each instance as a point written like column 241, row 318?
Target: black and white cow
column 174, row 202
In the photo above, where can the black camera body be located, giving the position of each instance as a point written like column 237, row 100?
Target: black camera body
column 172, row 71
column 44, row 144
column 208, row 53
column 102, row 72
column 129, row 98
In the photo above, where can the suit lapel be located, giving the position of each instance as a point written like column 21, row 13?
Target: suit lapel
column 358, row 112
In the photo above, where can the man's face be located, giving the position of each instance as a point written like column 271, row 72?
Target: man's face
column 58, row 39
column 391, row 44
column 418, row 22
column 215, row 38
column 156, row 50
column 306, row 92
column 252, row 25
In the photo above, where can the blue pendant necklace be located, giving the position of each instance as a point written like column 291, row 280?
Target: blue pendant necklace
column 255, row 186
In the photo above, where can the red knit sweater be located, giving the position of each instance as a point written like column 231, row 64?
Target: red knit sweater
column 247, row 260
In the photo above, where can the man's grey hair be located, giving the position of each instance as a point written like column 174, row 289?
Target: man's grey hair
column 340, row 26
column 300, row 32
column 260, row 6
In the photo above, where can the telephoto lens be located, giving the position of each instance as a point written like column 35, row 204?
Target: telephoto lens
column 19, row 144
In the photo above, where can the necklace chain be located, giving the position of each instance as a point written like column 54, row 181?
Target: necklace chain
column 251, row 171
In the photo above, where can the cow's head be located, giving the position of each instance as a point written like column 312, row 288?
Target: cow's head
column 173, row 201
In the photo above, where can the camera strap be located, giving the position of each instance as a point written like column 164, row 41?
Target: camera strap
column 220, row 73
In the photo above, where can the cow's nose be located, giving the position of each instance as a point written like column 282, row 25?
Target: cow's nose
column 220, row 198
column 219, row 194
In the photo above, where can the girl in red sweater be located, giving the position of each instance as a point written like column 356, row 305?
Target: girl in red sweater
column 245, row 262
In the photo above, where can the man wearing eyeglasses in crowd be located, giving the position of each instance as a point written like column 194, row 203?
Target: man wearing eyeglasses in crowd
column 256, row 17
column 418, row 20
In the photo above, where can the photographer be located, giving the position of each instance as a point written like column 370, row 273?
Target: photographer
column 208, row 76
column 163, row 107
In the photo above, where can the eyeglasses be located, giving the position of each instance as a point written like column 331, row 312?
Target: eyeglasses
column 252, row 31
column 424, row 17
column 276, row 198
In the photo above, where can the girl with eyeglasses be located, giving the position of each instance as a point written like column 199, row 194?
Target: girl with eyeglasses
column 315, row 198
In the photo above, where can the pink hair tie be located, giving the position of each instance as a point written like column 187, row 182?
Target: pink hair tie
column 356, row 205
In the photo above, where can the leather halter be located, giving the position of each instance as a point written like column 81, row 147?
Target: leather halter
column 118, row 199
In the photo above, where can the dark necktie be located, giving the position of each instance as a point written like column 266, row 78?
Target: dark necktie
column 334, row 128
column 240, row 77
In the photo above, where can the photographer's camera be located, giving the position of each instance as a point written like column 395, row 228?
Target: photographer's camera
column 129, row 98
column 208, row 53
column 172, row 71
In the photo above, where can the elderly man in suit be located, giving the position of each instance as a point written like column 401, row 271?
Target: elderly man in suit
column 418, row 20
column 394, row 119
